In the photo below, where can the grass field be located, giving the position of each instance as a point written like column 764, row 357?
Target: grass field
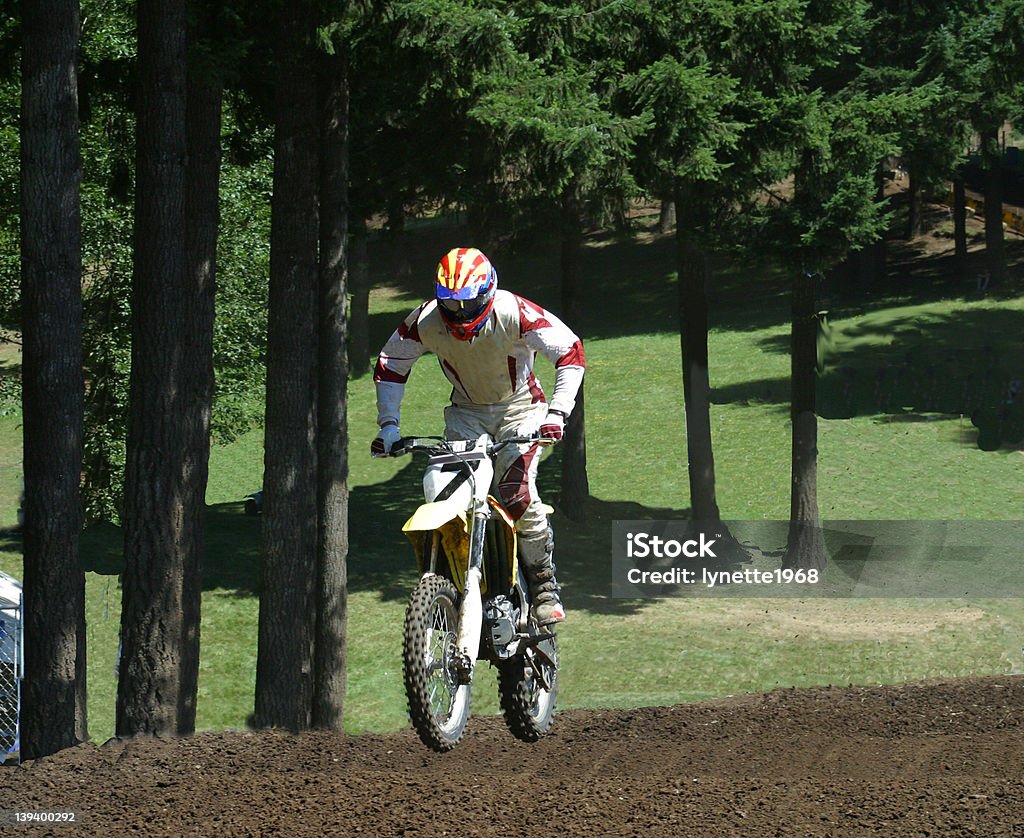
column 905, row 366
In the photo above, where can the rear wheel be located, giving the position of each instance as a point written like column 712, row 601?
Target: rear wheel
column 438, row 703
column 528, row 684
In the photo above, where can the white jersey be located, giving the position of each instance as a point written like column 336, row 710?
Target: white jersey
column 494, row 368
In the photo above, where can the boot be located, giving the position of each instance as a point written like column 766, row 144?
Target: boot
column 539, row 566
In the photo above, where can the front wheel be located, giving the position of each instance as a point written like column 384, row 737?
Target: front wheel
column 528, row 683
column 438, row 703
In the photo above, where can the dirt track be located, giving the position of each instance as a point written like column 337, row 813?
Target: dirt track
column 938, row 759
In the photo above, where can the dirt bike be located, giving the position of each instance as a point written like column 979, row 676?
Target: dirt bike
column 472, row 600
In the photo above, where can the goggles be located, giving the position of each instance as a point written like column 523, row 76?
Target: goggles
column 463, row 311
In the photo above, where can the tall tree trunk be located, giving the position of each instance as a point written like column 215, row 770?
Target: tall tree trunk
column 960, row 222
column 666, row 216
column 359, row 310
column 205, row 94
column 150, row 685
column 54, row 714
column 805, row 547
column 995, row 250
column 575, row 484
column 878, row 251
column 284, row 669
column 915, row 203
column 332, row 426
column 693, row 330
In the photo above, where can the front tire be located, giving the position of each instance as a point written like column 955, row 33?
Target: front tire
column 438, row 703
column 527, row 704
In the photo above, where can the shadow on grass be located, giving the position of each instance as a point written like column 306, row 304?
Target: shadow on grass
column 632, row 273
column 380, row 558
column 967, row 363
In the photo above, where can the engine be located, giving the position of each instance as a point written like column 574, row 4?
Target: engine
column 501, row 617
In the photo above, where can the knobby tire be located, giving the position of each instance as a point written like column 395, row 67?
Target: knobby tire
column 528, row 708
column 438, row 707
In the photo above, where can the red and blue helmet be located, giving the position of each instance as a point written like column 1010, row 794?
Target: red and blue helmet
column 466, row 282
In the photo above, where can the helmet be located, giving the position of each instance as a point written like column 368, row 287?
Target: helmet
column 466, row 282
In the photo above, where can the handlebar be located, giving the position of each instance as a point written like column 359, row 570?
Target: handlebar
column 440, row 445
column 408, row 444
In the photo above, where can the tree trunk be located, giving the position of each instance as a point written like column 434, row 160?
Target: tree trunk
column 666, row 216
column 54, row 714
column 805, row 547
column 152, row 628
column 960, row 222
column 693, row 326
column 879, row 255
column 575, row 485
column 284, row 669
column 332, row 426
column 915, row 204
column 995, row 250
column 359, row 310
column 205, row 93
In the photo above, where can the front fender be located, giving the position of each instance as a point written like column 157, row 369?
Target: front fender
column 433, row 516
column 449, row 520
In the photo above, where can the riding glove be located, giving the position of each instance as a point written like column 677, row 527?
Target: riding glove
column 385, row 441
column 553, row 426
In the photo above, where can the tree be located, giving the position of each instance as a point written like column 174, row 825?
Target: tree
column 285, row 664
column 834, row 210
column 714, row 79
column 558, row 155
column 694, row 278
column 897, row 55
column 981, row 52
column 685, row 101
column 845, row 221
column 203, row 115
column 413, row 102
column 150, row 697
column 106, row 103
column 55, row 714
column 575, row 485
column 802, row 117
column 332, row 423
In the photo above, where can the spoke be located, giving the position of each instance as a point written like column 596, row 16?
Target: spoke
column 440, row 620
column 441, row 709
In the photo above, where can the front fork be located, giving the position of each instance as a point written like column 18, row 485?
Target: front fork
column 471, row 614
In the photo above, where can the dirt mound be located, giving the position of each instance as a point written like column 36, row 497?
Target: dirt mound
column 930, row 759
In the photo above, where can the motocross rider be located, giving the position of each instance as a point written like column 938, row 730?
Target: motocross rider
column 486, row 341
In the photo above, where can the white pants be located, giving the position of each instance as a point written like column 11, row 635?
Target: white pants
column 515, row 466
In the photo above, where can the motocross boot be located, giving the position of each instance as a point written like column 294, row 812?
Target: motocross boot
column 539, row 566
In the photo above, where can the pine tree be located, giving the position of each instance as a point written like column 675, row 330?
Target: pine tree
column 52, row 382
column 150, row 694
column 285, row 663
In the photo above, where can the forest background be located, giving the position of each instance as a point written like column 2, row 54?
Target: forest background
column 188, row 252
